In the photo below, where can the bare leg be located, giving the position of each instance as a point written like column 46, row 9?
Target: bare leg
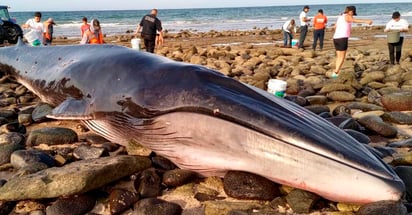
column 340, row 57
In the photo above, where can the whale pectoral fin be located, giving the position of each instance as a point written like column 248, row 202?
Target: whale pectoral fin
column 72, row 109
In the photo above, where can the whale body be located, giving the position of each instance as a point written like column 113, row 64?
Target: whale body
column 200, row 119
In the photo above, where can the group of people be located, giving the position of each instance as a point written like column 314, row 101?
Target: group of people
column 42, row 31
column 150, row 29
column 342, row 33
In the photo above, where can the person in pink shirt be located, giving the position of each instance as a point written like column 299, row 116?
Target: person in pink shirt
column 341, row 36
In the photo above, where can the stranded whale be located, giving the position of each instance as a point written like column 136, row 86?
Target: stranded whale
column 200, row 119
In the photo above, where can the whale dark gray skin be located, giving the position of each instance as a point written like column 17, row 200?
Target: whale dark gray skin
column 200, row 119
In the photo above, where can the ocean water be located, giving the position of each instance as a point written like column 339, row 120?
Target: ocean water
column 207, row 19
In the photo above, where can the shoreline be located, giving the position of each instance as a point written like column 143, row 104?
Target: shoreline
column 362, row 36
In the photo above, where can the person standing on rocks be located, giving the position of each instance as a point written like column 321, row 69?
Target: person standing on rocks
column 48, row 31
column 151, row 27
column 319, row 24
column 304, row 23
column 287, row 29
column 401, row 25
column 341, row 36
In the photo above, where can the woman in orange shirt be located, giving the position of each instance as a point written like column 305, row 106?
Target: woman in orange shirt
column 94, row 34
column 319, row 23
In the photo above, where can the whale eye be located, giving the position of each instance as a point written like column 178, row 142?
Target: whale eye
column 59, row 58
column 17, row 59
column 35, row 62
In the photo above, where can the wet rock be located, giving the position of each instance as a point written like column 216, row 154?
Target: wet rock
column 152, row 206
column 74, row 205
column 96, row 139
column 341, row 110
column 385, row 151
column 162, row 163
column 398, row 117
column 85, row 152
column 6, row 207
column 364, row 106
column 405, row 173
column 41, row 111
column 401, row 101
column 376, row 124
column 401, row 144
column 317, row 100
column 121, row 200
column 177, row 177
column 8, row 114
column 362, row 138
column 317, row 109
column 148, row 184
column 297, row 99
column 24, row 158
column 301, row 201
column 13, row 127
column 51, row 136
column 73, row 178
column 243, row 185
column 9, row 143
column 383, row 207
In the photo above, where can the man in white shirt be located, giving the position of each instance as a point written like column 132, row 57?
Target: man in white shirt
column 401, row 25
column 35, row 25
column 304, row 23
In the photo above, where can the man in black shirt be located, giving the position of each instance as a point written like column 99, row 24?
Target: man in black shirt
column 151, row 27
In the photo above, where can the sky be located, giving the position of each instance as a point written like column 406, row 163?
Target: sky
column 70, row 5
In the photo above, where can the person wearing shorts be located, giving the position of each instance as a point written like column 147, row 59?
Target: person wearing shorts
column 341, row 36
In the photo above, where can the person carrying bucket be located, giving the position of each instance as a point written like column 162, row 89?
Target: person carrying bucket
column 35, row 35
column 151, row 26
column 396, row 29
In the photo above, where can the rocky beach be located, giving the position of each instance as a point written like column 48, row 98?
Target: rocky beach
column 60, row 167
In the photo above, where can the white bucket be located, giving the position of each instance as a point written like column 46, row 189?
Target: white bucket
column 33, row 38
column 295, row 43
column 136, row 43
column 277, row 87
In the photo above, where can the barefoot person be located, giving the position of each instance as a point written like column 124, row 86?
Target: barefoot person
column 343, row 29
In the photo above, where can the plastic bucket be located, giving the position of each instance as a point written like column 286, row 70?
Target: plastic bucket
column 393, row 36
column 33, row 38
column 277, row 87
column 136, row 43
column 295, row 43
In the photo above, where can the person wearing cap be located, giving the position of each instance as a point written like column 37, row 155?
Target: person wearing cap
column 36, row 26
column 94, row 35
column 319, row 25
column 304, row 23
column 342, row 33
column 48, row 31
column 401, row 25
